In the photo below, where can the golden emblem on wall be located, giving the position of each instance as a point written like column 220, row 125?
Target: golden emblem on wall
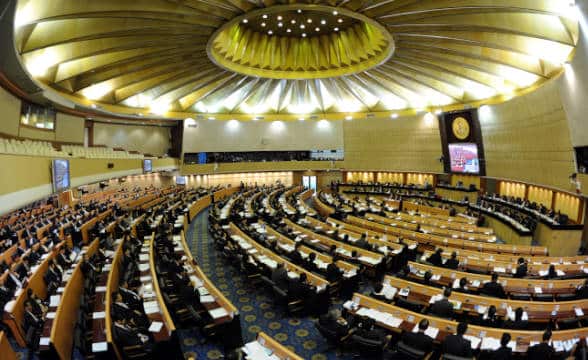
column 461, row 128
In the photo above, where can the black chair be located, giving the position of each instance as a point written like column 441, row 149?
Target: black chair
column 454, row 357
column 544, row 297
column 520, row 296
column 410, row 352
column 410, row 305
column 331, row 336
column 568, row 324
column 565, row 297
column 280, row 296
column 367, row 348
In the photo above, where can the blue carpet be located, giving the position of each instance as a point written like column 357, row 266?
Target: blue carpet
column 255, row 307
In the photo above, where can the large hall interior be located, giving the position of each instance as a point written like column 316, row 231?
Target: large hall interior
column 285, row 180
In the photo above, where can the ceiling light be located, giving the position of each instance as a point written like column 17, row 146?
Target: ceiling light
column 280, row 17
column 288, row 30
column 309, row 21
column 336, row 29
column 292, row 21
column 270, row 32
column 245, row 21
column 159, row 107
column 212, row 118
column 339, row 21
column 302, row 26
column 301, row 119
column 394, row 116
column 438, row 112
column 280, row 24
column 264, row 16
column 262, row 24
column 335, row 12
column 317, row 29
column 323, row 21
column 299, row 11
column 303, row 34
column 348, row 117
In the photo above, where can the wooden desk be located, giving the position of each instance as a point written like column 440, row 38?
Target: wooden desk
column 5, row 349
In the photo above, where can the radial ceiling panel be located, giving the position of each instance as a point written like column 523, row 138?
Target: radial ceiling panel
column 240, row 57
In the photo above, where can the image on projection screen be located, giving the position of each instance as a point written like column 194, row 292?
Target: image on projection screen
column 60, row 171
column 464, row 158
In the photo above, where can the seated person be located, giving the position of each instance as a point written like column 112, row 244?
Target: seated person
column 521, row 271
column 334, row 274
column 452, row 263
column 125, row 334
column 435, row 259
column 309, row 263
column 456, row 344
column 335, row 323
column 462, row 286
column 280, row 276
column 367, row 329
column 418, row 340
column 582, row 291
column 518, row 323
column 378, row 293
column 551, row 273
column 542, row 351
column 493, row 288
column 503, row 352
column 298, row 288
column 490, row 318
column 443, row 307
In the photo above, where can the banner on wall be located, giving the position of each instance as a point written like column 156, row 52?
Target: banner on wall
column 461, row 139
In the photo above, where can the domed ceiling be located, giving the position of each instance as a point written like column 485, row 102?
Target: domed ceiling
column 240, row 58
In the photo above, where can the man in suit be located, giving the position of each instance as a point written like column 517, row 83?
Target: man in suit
column 503, row 352
column 297, row 288
column 452, row 263
column 518, row 323
column 280, row 276
column 521, row 271
column 419, row 340
column 334, row 274
column 456, row 344
column 443, row 307
column 582, row 291
column 493, row 288
column 542, row 351
column 435, row 259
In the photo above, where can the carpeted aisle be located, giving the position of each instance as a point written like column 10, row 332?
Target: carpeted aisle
column 256, row 309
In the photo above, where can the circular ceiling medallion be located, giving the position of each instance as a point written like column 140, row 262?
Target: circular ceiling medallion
column 461, row 128
column 300, row 42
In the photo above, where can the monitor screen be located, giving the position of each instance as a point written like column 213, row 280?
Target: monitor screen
column 464, row 158
column 180, row 180
column 60, row 174
column 147, row 166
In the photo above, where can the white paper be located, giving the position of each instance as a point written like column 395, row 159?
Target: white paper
column 218, row 313
column 51, row 315
column 44, row 341
column 99, row 347
column 155, row 326
column 99, row 315
column 54, row 300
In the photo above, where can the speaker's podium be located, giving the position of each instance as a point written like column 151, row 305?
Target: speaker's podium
column 66, row 197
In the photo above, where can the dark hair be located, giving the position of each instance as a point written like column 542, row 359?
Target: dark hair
column 547, row 335
column 447, row 292
column 519, row 314
column 494, row 276
column 303, row 277
column 423, row 324
column 453, row 255
column 439, row 250
column 378, row 287
column 492, row 310
column 428, row 275
column 505, row 339
column 463, row 282
column 462, row 327
column 521, row 260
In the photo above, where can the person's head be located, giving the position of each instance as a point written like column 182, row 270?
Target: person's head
column 552, row 269
column 462, row 327
column 439, row 251
column 505, row 339
column 454, row 255
column 494, row 277
column 447, row 292
column 378, row 287
column 333, row 248
column 297, row 246
column 368, row 323
column 28, row 306
column 428, row 275
column 491, row 311
column 519, row 314
column 280, row 265
column 354, row 253
column 303, row 277
column 29, row 292
column 520, row 261
column 463, row 282
column 312, row 256
column 423, row 325
column 547, row 335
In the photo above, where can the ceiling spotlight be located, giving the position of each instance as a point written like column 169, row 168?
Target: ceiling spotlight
column 309, row 21
column 323, row 22
column 288, row 30
column 303, row 34
column 339, row 21
column 302, row 26
column 301, row 119
column 348, row 117
column 212, row 118
column 279, row 17
column 262, row 24
column 292, row 21
column 299, row 11
column 394, row 116
column 280, row 24
column 245, row 21
column 336, row 29
column 335, row 12
column 264, row 16
column 317, row 29
column 438, row 112
column 270, row 32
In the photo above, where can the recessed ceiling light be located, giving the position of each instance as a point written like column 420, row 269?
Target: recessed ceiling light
column 212, row 118
column 280, row 24
column 280, row 17
column 339, row 21
column 299, row 11
column 301, row 119
column 336, row 29
column 288, row 30
column 263, row 24
column 270, row 32
column 309, row 21
column 292, row 21
column 302, row 26
column 245, row 21
column 348, row 117
column 303, row 34
column 335, row 12
column 317, row 29
column 394, row 116
column 264, row 16
column 323, row 21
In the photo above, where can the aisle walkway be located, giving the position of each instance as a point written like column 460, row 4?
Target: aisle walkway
column 256, row 309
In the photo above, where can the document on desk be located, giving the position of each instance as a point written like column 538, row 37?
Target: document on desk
column 143, row 267
column 218, row 313
column 99, row 315
column 489, row 343
column 474, row 340
column 99, row 347
column 54, row 300
column 144, row 257
column 155, row 326
column 51, row 315
column 431, row 331
column 206, row 299
column 44, row 341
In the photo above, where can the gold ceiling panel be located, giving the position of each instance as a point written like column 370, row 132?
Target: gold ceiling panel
column 245, row 57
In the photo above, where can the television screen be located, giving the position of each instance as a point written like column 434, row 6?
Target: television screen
column 60, row 174
column 464, row 158
column 180, row 180
column 147, row 166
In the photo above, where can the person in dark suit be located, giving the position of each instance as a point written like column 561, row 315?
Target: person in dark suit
column 280, row 276
column 582, row 291
column 443, row 307
column 503, row 352
column 521, row 271
column 551, row 273
column 518, row 323
column 377, row 293
column 490, row 318
column 334, row 323
column 362, row 242
column 463, row 286
column 456, row 344
column 435, row 259
column 295, row 255
column 452, row 263
column 418, row 340
column 334, row 274
column 297, row 288
column 309, row 262
column 367, row 330
column 542, row 351
column 493, row 288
